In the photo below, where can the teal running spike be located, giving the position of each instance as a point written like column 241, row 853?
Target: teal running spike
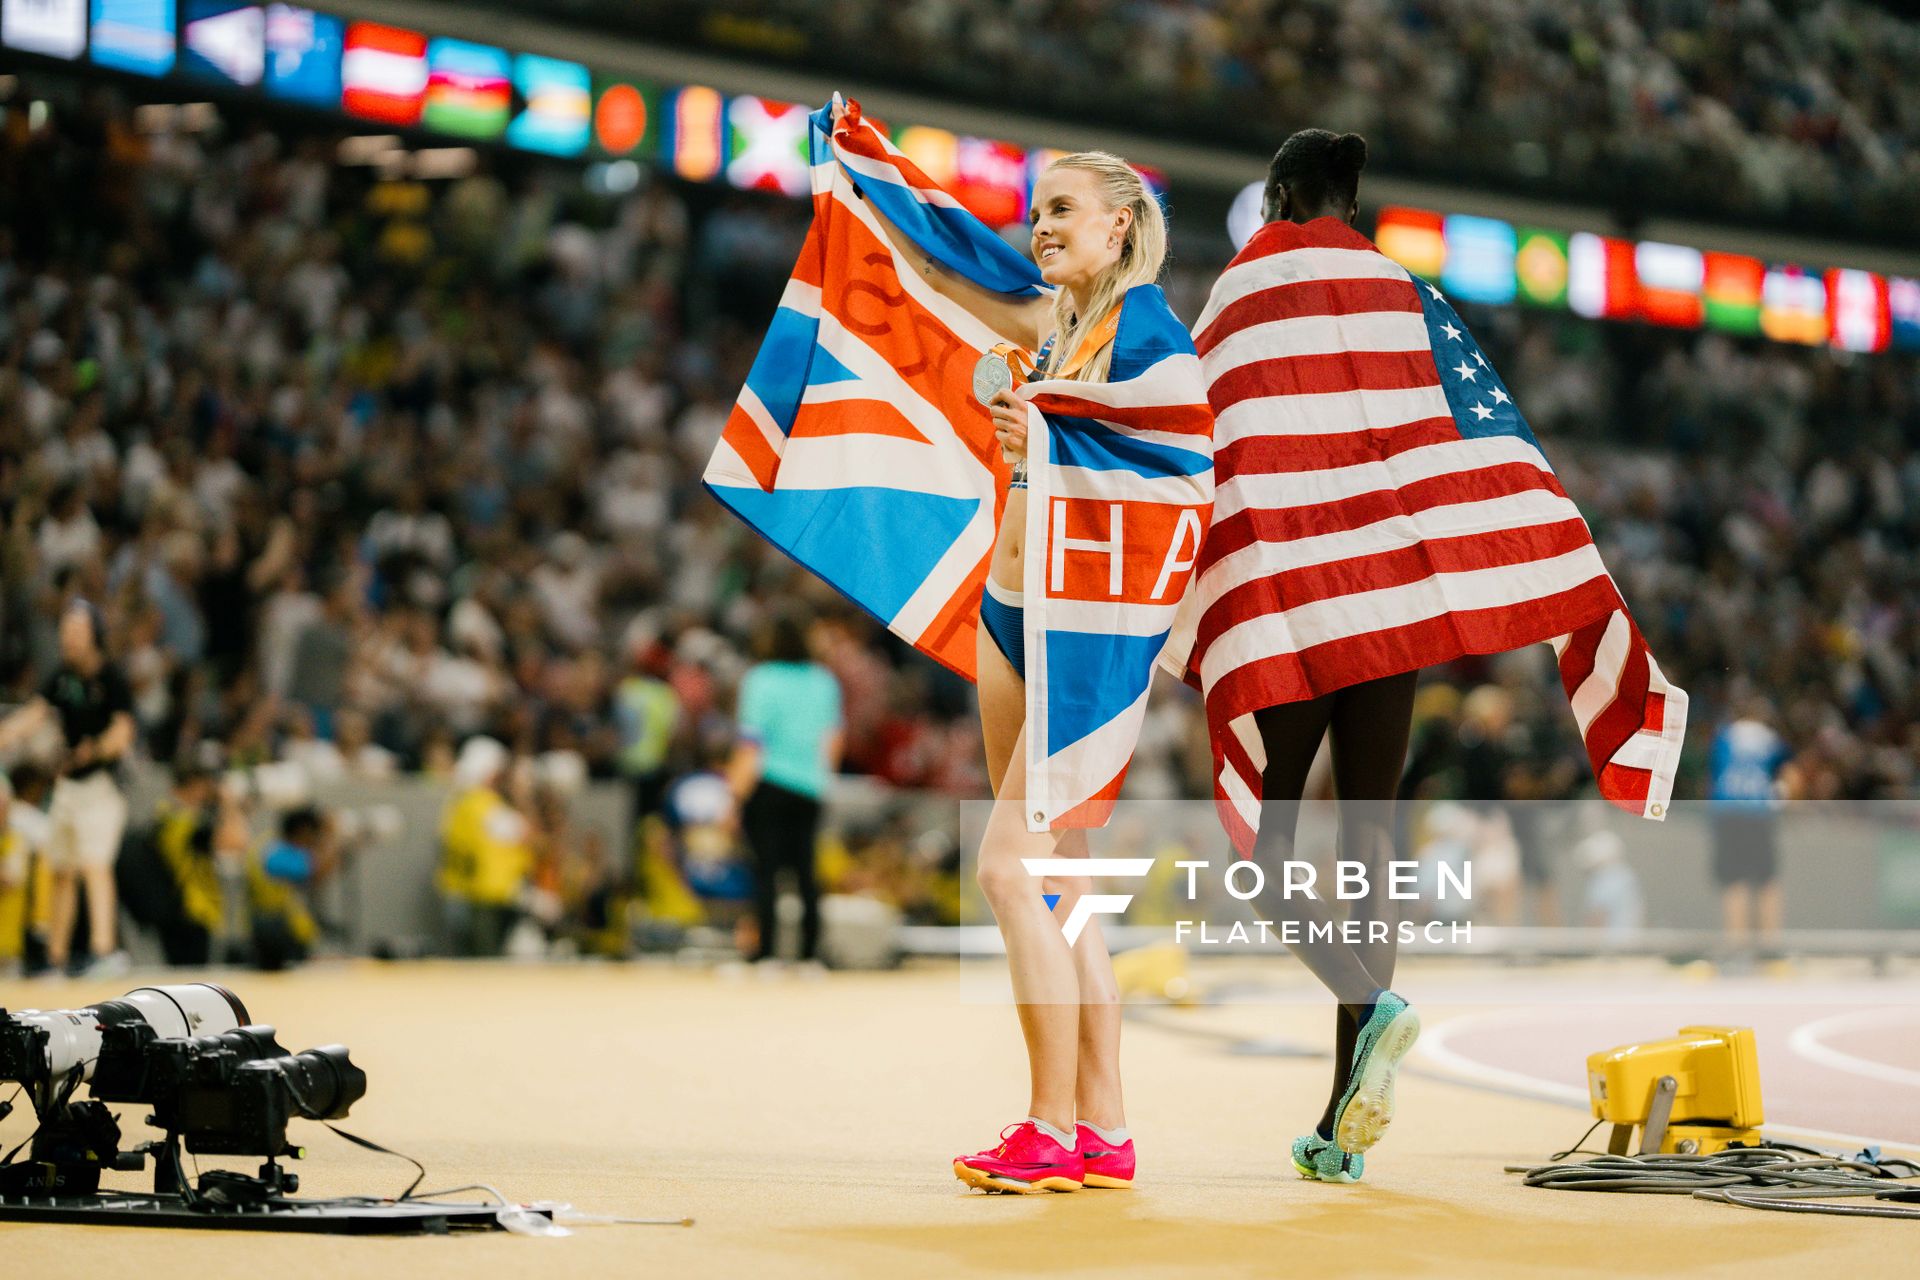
column 1323, row 1161
column 1366, row 1109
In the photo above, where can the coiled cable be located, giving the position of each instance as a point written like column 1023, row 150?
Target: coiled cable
column 1779, row 1177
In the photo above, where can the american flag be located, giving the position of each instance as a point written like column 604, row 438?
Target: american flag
column 857, row 447
column 1382, row 506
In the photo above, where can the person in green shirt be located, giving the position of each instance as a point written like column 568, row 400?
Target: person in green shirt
column 646, row 711
column 790, row 740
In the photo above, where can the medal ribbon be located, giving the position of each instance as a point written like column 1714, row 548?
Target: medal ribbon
column 1097, row 337
column 1018, row 360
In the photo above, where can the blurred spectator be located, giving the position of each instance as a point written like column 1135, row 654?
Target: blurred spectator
column 1610, row 896
column 486, row 854
column 88, row 698
column 1768, row 110
column 1747, row 765
column 1509, row 770
column 704, row 816
column 26, row 883
column 647, row 713
column 197, row 835
column 280, row 888
column 1447, row 838
column 791, row 734
column 323, row 651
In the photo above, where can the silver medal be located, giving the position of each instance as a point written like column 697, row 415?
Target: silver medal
column 991, row 376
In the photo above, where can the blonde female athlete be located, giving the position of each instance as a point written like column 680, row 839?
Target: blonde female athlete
column 1097, row 232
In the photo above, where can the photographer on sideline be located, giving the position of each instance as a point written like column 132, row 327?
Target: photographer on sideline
column 24, row 882
column 88, row 816
column 486, row 852
column 280, row 884
column 199, row 827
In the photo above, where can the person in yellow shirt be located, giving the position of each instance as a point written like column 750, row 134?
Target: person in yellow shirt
column 26, row 882
column 486, row 852
column 194, row 827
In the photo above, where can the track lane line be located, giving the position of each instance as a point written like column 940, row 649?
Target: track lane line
column 1807, row 1042
column 1451, row 1065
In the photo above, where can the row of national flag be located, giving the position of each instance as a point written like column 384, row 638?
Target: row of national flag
column 400, row 77
column 1610, row 278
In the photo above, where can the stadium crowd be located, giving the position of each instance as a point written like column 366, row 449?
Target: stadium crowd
column 1776, row 111
column 362, row 469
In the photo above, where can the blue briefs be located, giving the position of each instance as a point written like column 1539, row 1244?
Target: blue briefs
column 1003, row 614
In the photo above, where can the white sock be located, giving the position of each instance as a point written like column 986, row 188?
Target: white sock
column 1112, row 1137
column 1064, row 1139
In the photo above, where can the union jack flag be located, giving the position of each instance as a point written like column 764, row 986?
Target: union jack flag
column 857, row 447
column 1382, row 506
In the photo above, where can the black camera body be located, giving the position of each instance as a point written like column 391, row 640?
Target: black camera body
column 214, row 1081
column 23, row 1049
column 228, row 1094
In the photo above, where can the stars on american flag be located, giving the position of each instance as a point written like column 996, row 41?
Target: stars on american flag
column 1474, row 402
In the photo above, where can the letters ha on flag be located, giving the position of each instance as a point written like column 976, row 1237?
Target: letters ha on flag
column 856, row 446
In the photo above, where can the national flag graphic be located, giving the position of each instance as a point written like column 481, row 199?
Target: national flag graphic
column 223, row 42
column 1793, row 306
column 467, row 89
column 1540, row 267
column 935, row 152
column 303, row 55
column 54, row 28
column 1480, row 259
column 857, row 447
column 133, row 35
column 558, row 113
column 622, row 119
column 468, row 92
column 1414, row 238
column 767, row 146
column 693, row 141
column 1671, row 279
column 1903, row 312
column 1732, row 288
column 1381, row 506
column 1037, row 161
column 1857, row 311
column 990, row 180
column 383, row 73
column 1600, row 277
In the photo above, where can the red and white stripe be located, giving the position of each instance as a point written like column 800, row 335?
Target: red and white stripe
column 1357, row 534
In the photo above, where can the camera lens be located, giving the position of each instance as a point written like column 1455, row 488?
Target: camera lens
column 326, row 1083
column 73, row 1035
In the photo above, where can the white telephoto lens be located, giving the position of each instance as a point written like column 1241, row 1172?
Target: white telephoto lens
column 174, row 1012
